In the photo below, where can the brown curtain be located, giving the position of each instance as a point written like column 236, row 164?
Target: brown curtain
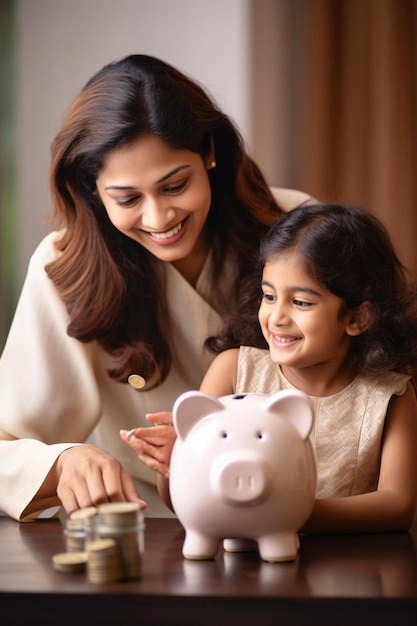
column 360, row 111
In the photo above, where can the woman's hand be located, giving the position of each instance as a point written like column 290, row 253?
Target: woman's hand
column 88, row 476
column 153, row 445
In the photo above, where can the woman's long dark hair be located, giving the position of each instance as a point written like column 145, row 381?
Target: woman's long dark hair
column 349, row 252
column 108, row 282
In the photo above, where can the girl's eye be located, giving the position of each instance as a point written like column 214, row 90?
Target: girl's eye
column 176, row 187
column 301, row 303
column 268, row 297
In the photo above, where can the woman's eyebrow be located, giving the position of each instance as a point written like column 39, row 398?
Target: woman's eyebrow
column 172, row 172
column 119, row 187
column 160, row 180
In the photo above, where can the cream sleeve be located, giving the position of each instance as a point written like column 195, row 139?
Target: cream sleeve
column 289, row 199
column 49, row 398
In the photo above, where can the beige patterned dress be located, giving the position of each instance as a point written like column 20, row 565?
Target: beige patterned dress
column 348, row 425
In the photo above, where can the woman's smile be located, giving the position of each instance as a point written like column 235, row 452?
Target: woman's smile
column 170, row 236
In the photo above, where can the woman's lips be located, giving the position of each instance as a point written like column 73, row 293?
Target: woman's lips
column 170, row 236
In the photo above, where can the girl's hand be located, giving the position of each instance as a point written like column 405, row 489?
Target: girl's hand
column 88, row 476
column 153, row 445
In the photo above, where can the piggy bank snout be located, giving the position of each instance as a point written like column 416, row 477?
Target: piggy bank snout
column 240, row 479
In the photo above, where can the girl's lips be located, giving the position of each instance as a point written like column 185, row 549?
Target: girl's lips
column 168, row 237
column 284, row 341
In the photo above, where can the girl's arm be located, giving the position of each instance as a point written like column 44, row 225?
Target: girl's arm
column 220, row 378
column 392, row 506
column 154, row 445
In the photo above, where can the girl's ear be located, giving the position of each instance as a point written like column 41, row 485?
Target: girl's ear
column 358, row 319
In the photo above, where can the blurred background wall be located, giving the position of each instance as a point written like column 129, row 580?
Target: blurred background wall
column 324, row 92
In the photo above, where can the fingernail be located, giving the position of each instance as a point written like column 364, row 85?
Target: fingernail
column 127, row 433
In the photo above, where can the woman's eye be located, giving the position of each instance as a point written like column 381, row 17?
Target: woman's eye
column 126, row 202
column 176, row 187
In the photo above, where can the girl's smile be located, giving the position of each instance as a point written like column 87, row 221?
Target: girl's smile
column 283, row 342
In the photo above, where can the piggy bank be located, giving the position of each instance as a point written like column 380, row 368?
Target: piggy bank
column 243, row 471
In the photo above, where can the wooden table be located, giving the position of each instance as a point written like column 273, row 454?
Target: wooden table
column 336, row 580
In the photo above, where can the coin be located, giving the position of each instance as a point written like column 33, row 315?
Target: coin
column 136, row 381
column 69, row 562
column 118, row 507
column 84, row 513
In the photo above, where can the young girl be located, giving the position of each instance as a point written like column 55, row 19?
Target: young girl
column 340, row 322
column 158, row 212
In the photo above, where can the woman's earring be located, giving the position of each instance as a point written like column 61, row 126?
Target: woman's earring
column 212, row 165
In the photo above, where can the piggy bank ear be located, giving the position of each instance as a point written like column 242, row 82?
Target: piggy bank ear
column 294, row 406
column 190, row 407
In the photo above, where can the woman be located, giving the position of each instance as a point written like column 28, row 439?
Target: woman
column 158, row 212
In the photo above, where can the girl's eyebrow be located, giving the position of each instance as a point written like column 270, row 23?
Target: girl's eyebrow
column 160, row 180
column 293, row 288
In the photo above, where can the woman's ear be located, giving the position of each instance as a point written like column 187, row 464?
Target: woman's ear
column 211, row 157
column 358, row 319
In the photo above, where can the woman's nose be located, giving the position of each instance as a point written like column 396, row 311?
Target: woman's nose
column 155, row 214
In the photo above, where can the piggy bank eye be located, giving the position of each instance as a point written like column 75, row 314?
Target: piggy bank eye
column 259, row 434
column 224, row 434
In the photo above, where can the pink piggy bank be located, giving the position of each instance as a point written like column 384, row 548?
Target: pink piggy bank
column 243, row 468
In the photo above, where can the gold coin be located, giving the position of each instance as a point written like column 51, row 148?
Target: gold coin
column 136, row 381
column 70, row 558
column 118, row 507
column 69, row 562
column 86, row 512
column 101, row 545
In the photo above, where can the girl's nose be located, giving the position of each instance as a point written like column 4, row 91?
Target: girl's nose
column 279, row 315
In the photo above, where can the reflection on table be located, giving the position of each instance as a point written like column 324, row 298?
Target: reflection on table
column 334, row 580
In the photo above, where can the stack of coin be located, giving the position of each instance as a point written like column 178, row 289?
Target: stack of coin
column 74, row 535
column 69, row 562
column 103, row 562
column 123, row 522
column 80, row 528
column 86, row 518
